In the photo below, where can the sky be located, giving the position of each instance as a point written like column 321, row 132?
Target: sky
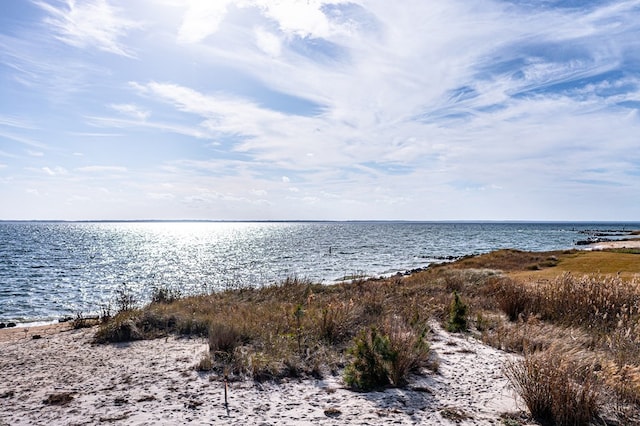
column 320, row 110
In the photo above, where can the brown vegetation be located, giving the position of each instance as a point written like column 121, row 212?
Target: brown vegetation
column 579, row 333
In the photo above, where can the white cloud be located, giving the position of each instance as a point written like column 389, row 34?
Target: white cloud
column 90, row 23
column 102, row 169
column 13, row 121
column 56, row 171
column 111, row 122
column 303, row 18
column 201, row 19
column 268, row 42
column 160, row 196
column 131, row 110
column 429, row 109
column 25, row 140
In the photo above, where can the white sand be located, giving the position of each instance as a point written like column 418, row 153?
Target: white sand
column 154, row 382
column 634, row 243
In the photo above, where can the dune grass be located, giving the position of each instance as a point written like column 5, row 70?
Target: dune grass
column 292, row 329
column 586, row 323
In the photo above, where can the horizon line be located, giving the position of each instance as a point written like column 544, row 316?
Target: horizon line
column 471, row 221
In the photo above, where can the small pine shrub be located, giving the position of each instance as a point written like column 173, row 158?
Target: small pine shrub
column 370, row 351
column 457, row 315
column 386, row 357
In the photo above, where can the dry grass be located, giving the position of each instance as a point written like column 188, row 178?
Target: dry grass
column 587, row 323
column 295, row 328
column 590, row 322
column 511, row 260
column 556, row 392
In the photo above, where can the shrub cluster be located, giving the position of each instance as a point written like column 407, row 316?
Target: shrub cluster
column 596, row 302
column 295, row 328
column 374, row 330
column 555, row 391
column 599, row 316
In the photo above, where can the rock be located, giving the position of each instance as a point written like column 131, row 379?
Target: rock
column 332, row 412
column 592, row 240
column 58, row 398
column 11, row 324
column 2, row 325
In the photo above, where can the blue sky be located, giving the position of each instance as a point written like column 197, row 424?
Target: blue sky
column 287, row 109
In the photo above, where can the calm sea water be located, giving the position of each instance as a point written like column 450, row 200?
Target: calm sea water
column 50, row 270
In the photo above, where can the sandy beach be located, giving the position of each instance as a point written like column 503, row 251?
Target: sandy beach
column 62, row 378
column 628, row 244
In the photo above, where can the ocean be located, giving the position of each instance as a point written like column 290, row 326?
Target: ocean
column 50, row 270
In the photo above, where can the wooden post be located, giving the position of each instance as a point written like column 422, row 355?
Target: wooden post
column 226, row 385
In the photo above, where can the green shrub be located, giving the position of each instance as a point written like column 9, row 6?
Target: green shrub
column 370, row 351
column 385, row 358
column 457, row 315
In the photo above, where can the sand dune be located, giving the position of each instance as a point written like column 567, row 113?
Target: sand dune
column 61, row 378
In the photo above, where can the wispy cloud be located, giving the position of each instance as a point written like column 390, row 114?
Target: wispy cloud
column 55, row 171
column 422, row 110
column 12, row 121
column 131, row 110
column 21, row 139
column 90, row 23
column 102, row 169
column 119, row 123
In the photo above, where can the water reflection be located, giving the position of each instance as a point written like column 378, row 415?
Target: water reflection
column 54, row 269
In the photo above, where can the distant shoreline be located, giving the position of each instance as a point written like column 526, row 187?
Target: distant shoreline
column 515, row 222
column 631, row 243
